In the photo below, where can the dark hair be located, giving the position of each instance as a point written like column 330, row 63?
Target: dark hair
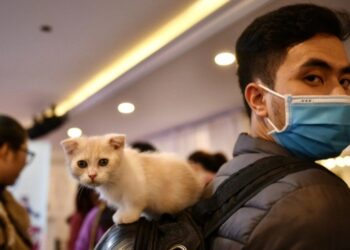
column 11, row 132
column 210, row 162
column 143, row 146
column 220, row 158
column 85, row 199
column 263, row 45
column 106, row 218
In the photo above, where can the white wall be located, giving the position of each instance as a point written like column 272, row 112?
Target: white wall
column 62, row 192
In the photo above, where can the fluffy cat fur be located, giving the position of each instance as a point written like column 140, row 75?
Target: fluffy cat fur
column 135, row 183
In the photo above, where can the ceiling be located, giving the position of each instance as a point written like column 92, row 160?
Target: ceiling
column 177, row 85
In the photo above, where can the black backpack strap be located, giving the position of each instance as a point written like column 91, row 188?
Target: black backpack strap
column 243, row 185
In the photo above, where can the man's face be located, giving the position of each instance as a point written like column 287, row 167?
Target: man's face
column 318, row 66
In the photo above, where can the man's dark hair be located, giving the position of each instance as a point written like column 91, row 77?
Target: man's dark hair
column 11, row 132
column 263, row 45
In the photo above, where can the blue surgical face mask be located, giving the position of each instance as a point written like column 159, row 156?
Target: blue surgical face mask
column 316, row 126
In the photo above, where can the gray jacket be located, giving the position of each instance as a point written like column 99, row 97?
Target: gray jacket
column 309, row 209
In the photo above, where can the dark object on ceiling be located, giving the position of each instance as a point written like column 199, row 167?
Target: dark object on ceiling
column 46, row 123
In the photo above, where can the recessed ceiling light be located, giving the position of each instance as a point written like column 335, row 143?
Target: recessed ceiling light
column 126, row 108
column 225, row 58
column 74, row 132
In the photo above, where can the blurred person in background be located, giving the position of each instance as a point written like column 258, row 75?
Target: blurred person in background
column 207, row 163
column 95, row 224
column 14, row 155
column 143, row 146
column 85, row 200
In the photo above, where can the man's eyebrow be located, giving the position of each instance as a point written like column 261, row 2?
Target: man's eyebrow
column 313, row 62
column 345, row 70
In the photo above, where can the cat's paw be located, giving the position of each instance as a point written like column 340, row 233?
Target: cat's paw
column 125, row 217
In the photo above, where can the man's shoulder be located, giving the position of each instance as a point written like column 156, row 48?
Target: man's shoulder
column 302, row 178
column 289, row 185
column 307, row 190
column 313, row 211
column 301, row 201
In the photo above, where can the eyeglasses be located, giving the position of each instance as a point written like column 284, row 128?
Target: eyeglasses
column 30, row 155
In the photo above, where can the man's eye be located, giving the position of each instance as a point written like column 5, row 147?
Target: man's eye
column 82, row 164
column 345, row 83
column 313, row 79
column 103, row 162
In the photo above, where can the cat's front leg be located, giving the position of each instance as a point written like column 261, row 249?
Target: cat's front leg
column 126, row 215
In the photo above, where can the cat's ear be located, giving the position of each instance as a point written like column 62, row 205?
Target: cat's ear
column 116, row 140
column 69, row 145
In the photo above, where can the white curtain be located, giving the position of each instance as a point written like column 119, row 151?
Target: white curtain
column 217, row 133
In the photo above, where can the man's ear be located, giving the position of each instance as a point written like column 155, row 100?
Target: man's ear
column 69, row 145
column 256, row 99
column 4, row 149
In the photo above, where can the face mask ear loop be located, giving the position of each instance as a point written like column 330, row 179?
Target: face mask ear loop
column 286, row 106
column 271, row 91
column 275, row 129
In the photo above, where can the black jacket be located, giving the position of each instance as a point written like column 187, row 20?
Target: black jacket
column 305, row 210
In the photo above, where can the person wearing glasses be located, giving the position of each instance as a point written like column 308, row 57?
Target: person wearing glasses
column 14, row 156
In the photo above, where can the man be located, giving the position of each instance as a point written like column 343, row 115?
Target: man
column 295, row 76
column 14, row 220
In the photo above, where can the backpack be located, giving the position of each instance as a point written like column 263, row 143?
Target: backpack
column 192, row 228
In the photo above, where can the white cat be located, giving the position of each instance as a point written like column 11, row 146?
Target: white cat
column 135, row 183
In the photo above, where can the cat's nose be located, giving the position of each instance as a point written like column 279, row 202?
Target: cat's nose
column 92, row 176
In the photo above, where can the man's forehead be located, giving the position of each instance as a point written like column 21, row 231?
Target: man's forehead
column 321, row 48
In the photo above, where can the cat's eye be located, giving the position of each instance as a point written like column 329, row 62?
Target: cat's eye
column 103, row 162
column 82, row 164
